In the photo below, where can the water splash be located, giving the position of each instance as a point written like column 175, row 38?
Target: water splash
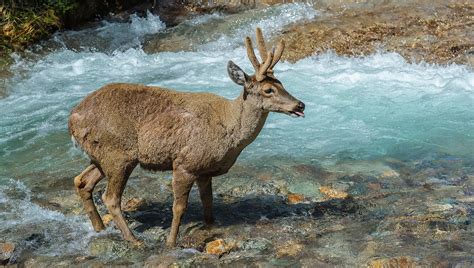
column 47, row 232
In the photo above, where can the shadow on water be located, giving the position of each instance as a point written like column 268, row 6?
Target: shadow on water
column 248, row 210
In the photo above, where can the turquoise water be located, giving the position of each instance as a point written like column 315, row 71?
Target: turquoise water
column 357, row 108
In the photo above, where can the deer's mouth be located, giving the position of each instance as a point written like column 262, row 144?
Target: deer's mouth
column 296, row 114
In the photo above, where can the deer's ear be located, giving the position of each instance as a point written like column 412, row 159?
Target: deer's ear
column 236, row 74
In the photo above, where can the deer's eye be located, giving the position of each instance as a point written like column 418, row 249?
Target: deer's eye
column 268, row 90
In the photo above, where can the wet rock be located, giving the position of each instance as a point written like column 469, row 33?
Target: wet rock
column 161, row 261
column 439, row 207
column 307, row 188
column 389, row 174
column 331, row 193
column 258, row 244
column 219, row 247
column 337, row 207
column 133, row 204
column 290, row 248
column 156, row 233
column 264, row 176
column 107, row 219
column 402, row 261
column 375, row 186
column 295, row 198
column 6, row 252
column 107, row 247
column 312, row 171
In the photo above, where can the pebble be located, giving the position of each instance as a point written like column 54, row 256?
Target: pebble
column 219, row 247
column 107, row 219
column 331, row 193
column 402, row 261
column 295, row 198
column 375, row 186
column 290, row 248
column 6, row 252
column 133, row 204
column 439, row 207
column 390, row 174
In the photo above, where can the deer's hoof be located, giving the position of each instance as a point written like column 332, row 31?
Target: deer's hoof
column 209, row 221
column 170, row 243
column 137, row 243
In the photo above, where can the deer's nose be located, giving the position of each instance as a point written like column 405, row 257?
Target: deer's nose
column 301, row 106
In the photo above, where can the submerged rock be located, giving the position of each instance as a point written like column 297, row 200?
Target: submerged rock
column 331, row 193
column 402, row 261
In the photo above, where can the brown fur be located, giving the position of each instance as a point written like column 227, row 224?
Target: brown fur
column 196, row 135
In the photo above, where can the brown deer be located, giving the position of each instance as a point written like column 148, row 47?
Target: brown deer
column 196, row 135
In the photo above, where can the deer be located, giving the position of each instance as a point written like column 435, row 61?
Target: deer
column 197, row 136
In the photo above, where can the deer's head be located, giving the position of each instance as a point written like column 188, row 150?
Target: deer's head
column 263, row 87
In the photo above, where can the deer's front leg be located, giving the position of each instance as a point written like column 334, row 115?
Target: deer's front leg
column 182, row 184
column 205, row 191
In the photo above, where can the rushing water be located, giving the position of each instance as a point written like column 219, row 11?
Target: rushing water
column 357, row 108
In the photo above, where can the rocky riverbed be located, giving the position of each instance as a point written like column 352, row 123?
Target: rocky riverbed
column 289, row 213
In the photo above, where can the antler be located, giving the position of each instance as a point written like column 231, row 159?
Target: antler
column 269, row 59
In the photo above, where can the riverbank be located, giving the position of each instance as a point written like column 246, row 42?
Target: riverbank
column 433, row 32
column 420, row 31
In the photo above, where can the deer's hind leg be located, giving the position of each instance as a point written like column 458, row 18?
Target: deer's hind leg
column 117, row 172
column 205, row 191
column 182, row 184
column 85, row 183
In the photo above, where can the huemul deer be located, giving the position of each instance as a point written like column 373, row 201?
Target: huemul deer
column 196, row 135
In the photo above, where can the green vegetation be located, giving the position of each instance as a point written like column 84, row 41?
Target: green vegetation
column 25, row 22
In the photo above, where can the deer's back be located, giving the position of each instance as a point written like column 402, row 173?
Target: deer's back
column 153, row 125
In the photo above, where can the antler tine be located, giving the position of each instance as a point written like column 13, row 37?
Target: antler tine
column 261, row 44
column 251, row 54
column 278, row 53
column 262, row 73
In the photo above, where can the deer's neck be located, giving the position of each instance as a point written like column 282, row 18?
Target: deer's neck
column 249, row 120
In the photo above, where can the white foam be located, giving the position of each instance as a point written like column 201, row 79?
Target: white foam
column 270, row 20
column 61, row 231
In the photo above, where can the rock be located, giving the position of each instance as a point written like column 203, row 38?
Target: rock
column 259, row 244
column 331, row 193
column 156, row 234
column 306, row 188
column 295, row 198
column 401, row 262
column 290, row 248
column 389, row 174
column 133, row 204
column 439, row 207
column 107, row 219
column 219, row 247
column 408, row 29
column 264, row 176
column 103, row 246
column 375, row 186
column 160, row 261
column 6, row 252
